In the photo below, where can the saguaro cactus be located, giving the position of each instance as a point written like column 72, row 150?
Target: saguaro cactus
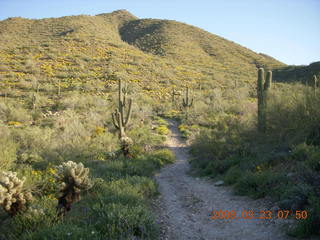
column 187, row 102
column 120, row 121
column 263, row 86
column 59, row 87
column 314, row 83
column 174, row 96
column 34, row 101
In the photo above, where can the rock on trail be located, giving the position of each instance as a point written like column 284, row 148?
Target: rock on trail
column 185, row 204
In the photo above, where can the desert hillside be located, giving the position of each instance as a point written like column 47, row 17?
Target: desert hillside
column 93, row 108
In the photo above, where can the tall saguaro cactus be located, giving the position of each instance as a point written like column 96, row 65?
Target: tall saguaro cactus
column 120, row 121
column 34, row 101
column 314, row 83
column 263, row 87
column 187, row 102
column 59, row 87
column 174, row 96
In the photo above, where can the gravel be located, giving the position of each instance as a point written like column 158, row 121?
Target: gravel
column 185, row 204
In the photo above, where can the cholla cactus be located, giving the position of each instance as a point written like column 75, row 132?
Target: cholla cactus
column 125, row 145
column 74, row 178
column 12, row 196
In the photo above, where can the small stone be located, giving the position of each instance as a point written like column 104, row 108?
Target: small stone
column 290, row 174
column 219, row 183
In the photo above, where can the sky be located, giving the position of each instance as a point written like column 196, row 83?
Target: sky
column 288, row 30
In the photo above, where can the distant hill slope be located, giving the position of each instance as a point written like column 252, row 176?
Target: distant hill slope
column 171, row 38
column 302, row 74
column 90, row 52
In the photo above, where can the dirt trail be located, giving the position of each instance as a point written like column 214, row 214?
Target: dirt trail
column 186, row 202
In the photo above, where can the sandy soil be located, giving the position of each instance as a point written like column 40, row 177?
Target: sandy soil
column 186, row 202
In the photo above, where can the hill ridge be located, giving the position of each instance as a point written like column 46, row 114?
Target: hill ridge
column 83, row 49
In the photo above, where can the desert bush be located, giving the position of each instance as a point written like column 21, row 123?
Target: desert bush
column 13, row 111
column 145, row 140
column 34, row 143
column 8, row 149
column 309, row 226
column 233, row 174
column 41, row 214
column 117, row 221
column 42, row 182
column 258, row 184
column 78, row 102
column 164, row 156
column 162, row 130
column 220, row 142
column 147, row 164
column 295, row 196
column 64, row 231
column 293, row 115
column 308, row 154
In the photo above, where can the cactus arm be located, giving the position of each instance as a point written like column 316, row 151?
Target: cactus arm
column 187, row 96
column 315, row 83
column 268, row 82
column 263, row 87
column 121, row 127
column 129, row 113
column 260, row 86
column 260, row 80
column 120, row 89
column 119, row 120
column 115, row 119
column 121, row 111
column 124, row 102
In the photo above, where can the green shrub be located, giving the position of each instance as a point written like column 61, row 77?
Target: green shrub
column 184, row 130
column 14, row 111
column 117, row 221
column 65, row 231
column 162, row 130
column 160, row 121
column 310, row 225
column 308, row 154
column 144, row 139
column 295, row 196
column 258, row 184
column 8, row 149
column 42, row 182
column 164, row 156
column 42, row 214
column 233, row 174
column 146, row 165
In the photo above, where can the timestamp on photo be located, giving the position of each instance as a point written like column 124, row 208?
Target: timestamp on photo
column 264, row 214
